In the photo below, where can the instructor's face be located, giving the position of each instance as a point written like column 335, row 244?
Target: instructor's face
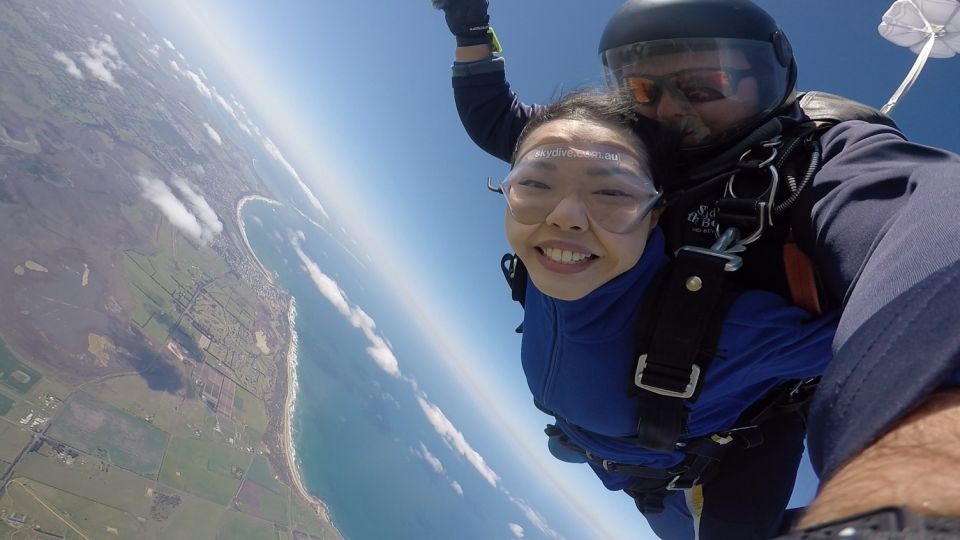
column 701, row 94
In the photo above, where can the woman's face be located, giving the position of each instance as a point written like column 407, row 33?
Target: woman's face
column 569, row 254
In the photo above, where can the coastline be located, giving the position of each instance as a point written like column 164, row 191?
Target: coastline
column 289, row 407
column 287, row 446
column 243, row 230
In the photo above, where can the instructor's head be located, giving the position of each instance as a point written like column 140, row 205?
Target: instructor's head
column 711, row 70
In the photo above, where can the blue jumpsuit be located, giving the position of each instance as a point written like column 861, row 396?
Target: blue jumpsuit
column 884, row 235
column 579, row 356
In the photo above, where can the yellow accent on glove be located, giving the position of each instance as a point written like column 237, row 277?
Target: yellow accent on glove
column 494, row 42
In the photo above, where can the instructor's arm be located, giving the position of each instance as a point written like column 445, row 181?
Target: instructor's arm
column 915, row 465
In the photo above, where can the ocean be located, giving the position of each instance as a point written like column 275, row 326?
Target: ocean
column 370, row 441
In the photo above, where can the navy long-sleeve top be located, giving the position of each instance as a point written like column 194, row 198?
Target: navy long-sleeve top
column 884, row 234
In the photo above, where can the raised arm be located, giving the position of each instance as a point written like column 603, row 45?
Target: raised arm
column 491, row 113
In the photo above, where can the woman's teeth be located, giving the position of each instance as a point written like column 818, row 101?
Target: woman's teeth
column 565, row 256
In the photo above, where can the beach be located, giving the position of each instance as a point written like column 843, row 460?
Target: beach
column 287, row 444
column 243, row 230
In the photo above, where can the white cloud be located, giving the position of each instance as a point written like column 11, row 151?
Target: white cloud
column 169, row 44
column 205, row 214
column 452, row 436
column 213, row 134
column 275, row 154
column 456, row 487
column 201, row 224
column 198, row 82
column 118, row 16
column 68, row 63
column 101, row 59
column 535, row 518
column 325, row 284
column 431, row 459
column 158, row 192
column 154, row 50
column 224, row 103
column 378, row 349
column 516, row 530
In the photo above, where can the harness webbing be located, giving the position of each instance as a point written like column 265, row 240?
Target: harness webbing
column 682, row 346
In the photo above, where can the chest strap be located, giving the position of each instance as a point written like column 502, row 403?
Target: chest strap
column 690, row 313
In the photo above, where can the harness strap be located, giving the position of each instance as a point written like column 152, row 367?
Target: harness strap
column 516, row 275
column 681, row 346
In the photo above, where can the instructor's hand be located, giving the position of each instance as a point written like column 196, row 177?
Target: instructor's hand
column 467, row 19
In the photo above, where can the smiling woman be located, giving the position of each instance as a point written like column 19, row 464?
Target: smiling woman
column 581, row 217
column 580, row 211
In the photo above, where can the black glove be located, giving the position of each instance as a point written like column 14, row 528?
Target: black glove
column 467, row 19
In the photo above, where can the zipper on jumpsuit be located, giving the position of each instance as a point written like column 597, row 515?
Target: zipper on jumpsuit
column 554, row 358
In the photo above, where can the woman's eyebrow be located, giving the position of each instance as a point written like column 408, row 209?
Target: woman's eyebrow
column 543, row 165
column 605, row 170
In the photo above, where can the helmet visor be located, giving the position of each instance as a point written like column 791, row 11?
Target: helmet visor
column 706, row 90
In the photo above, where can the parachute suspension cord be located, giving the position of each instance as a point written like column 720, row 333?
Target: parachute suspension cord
column 911, row 76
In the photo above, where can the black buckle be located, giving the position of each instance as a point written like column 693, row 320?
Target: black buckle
column 688, row 389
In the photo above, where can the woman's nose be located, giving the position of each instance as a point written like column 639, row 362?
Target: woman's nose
column 569, row 214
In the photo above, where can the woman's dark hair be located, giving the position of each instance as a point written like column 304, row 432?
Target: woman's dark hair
column 616, row 109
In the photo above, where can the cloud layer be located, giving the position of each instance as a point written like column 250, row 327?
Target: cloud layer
column 101, row 59
column 452, row 436
column 378, row 349
column 190, row 213
column 69, row 64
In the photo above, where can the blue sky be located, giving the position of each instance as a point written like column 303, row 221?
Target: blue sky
column 357, row 96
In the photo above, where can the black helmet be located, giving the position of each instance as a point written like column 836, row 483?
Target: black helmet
column 697, row 53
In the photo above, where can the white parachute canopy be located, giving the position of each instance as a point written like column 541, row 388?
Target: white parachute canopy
column 928, row 27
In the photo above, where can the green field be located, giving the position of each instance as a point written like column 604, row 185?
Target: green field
column 14, row 374
column 113, row 487
column 250, row 412
column 5, row 404
column 131, row 393
column 239, row 526
column 263, row 503
column 306, row 520
column 95, row 519
column 103, row 430
column 204, row 468
column 194, row 518
column 262, row 474
column 19, row 499
column 12, row 439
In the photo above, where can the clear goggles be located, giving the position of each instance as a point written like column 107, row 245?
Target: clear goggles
column 610, row 185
